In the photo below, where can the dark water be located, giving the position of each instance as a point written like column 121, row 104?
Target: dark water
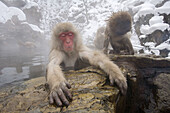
column 22, row 64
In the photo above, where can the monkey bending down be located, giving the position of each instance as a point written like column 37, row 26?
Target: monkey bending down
column 117, row 32
column 66, row 48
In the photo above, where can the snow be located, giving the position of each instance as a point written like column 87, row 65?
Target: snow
column 150, row 48
column 135, row 41
column 155, row 23
column 72, row 10
column 155, row 2
column 164, row 9
column 164, row 45
column 143, row 10
column 155, row 20
column 30, row 4
column 34, row 27
column 6, row 13
column 168, row 56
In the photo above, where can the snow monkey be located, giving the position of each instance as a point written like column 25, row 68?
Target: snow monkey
column 66, row 48
column 118, row 32
column 99, row 39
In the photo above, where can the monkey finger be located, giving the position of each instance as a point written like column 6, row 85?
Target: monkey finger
column 124, row 89
column 68, row 85
column 111, row 80
column 62, row 97
column 51, row 98
column 122, row 86
column 57, row 99
column 67, row 93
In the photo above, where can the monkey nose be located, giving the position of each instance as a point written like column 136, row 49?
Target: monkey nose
column 67, row 41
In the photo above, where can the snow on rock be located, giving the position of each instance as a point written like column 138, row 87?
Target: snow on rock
column 155, row 20
column 164, row 9
column 150, row 48
column 164, row 45
column 143, row 10
column 135, row 42
column 155, row 23
column 6, row 13
column 168, row 56
column 155, row 2
column 30, row 4
column 34, row 27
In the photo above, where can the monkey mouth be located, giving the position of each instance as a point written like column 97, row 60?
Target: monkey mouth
column 68, row 48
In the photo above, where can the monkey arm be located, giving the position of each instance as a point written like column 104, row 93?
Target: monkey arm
column 106, row 41
column 129, row 46
column 100, row 60
column 58, row 85
column 105, row 45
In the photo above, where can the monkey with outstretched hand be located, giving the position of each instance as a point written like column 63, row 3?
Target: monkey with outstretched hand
column 66, row 48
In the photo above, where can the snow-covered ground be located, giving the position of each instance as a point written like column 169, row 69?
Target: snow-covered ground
column 89, row 15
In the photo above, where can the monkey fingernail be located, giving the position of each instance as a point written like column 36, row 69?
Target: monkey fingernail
column 68, row 85
column 59, row 104
column 51, row 102
column 66, row 103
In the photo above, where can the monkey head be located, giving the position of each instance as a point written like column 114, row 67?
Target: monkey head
column 67, row 40
column 65, row 37
column 120, row 22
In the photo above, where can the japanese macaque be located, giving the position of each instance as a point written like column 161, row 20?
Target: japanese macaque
column 27, row 44
column 99, row 39
column 118, row 32
column 67, row 47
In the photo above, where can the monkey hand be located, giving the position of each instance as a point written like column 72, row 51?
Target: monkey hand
column 60, row 94
column 120, row 80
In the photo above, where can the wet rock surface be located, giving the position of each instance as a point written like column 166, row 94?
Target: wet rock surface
column 88, row 89
column 148, row 90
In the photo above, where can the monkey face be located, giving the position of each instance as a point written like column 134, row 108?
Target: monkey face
column 67, row 39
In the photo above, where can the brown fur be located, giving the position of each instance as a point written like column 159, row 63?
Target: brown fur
column 120, row 23
column 117, row 29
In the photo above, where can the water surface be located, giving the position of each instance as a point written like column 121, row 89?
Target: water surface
column 22, row 64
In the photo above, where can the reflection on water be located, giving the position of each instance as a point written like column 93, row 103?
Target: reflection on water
column 22, row 64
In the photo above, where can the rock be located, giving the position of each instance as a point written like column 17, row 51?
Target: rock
column 163, row 93
column 33, row 14
column 15, row 3
column 157, row 37
column 164, row 52
column 142, row 20
column 16, row 34
column 148, row 84
column 89, row 94
column 148, row 90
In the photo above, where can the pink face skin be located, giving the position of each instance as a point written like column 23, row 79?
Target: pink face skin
column 67, row 39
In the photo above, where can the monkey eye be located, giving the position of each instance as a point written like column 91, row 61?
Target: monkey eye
column 62, row 35
column 70, row 34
